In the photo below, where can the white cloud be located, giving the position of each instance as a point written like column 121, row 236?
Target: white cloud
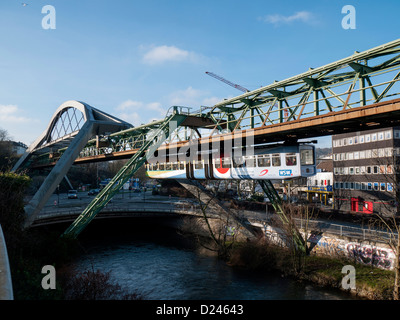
column 138, row 112
column 11, row 114
column 301, row 16
column 161, row 54
column 192, row 98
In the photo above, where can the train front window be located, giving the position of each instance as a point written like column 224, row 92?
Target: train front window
column 306, row 157
column 276, row 160
column 226, row 162
column 291, row 159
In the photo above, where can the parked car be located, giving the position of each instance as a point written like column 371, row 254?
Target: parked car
column 93, row 192
column 72, row 194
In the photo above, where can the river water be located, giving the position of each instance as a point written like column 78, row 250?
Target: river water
column 158, row 263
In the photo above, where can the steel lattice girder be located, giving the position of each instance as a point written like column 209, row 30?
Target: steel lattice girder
column 138, row 159
column 318, row 91
column 276, row 201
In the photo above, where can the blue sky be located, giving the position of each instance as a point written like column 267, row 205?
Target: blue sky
column 135, row 59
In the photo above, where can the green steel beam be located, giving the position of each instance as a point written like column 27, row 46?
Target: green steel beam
column 276, row 202
column 137, row 160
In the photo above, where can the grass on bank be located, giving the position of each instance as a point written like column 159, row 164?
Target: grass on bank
column 371, row 282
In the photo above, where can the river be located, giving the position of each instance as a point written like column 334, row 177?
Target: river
column 160, row 264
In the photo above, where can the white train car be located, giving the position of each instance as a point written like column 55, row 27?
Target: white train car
column 268, row 163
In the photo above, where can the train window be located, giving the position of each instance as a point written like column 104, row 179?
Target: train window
column 238, row 162
column 217, row 163
column 264, row 161
column 291, row 159
column 250, row 162
column 174, row 166
column 276, row 159
column 154, row 166
column 306, row 157
column 226, row 162
column 168, row 166
column 198, row 165
column 161, row 166
column 181, row 166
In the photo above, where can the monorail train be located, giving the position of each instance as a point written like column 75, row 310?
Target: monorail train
column 269, row 163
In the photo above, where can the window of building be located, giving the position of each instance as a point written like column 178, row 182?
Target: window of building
column 362, row 154
column 368, row 154
column 381, row 152
column 383, row 186
column 388, row 134
column 344, row 141
column 350, row 155
column 369, row 169
column 381, row 136
column 357, row 170
column 341, row 185
column 363, row 186
column 357, row 186
column 355, row 140
column 390, row 187
column 375, row 169
column 389, row 169
column 345, row 170
column 374, row 137
column 362, row 170
column 361, row 140
column 336, row 185
column 367, row 138
column 351, row 186
column 350, row 141
column 351, row 170
column 346, row 185
column 369, row 186
column 374, row 153
column 382, row 169
column 376, row 186
column 356, row 155
column 396, row 134
column 388, row 152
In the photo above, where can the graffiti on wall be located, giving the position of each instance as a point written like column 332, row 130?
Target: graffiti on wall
column 371, row 255
column 378, row 257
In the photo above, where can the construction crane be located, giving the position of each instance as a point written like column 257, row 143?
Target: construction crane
column 227, row 82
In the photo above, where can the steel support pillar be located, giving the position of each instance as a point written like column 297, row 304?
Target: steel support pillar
column 138, row 159
column 276, row 202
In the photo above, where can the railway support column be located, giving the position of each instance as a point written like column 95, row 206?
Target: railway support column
column 276, row 202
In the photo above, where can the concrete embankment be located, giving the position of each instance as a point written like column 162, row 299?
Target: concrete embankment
column 6, row 290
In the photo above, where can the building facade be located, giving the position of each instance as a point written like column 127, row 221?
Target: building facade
column 365, row 179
